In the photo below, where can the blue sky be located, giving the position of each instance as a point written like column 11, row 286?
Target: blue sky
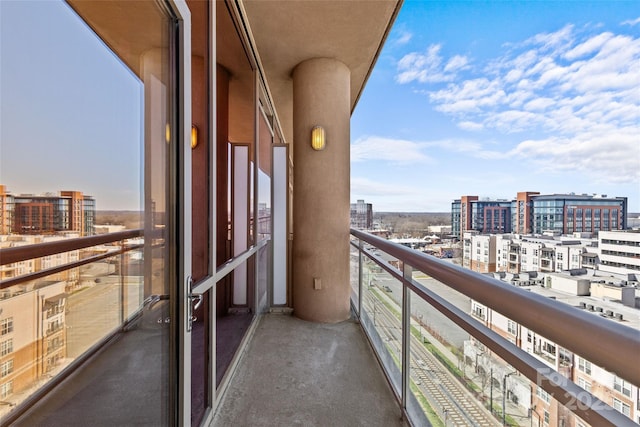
column 467, row 98
column 492, row 98
column 70, row 111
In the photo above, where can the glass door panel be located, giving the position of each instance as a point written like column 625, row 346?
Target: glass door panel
column 99, row 115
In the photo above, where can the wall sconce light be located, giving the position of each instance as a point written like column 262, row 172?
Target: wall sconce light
column 194, row 136
column 318, row 140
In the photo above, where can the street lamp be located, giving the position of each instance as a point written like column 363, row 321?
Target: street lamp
column 504, row 396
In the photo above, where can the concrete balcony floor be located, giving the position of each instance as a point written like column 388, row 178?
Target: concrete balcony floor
column 295, row 372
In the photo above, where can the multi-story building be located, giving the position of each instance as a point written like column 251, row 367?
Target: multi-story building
column 69, row 276
column 522, row 222
column 6, row 211
column 47, row 214
column 532, row 213
column 619, row 251
column 577, row 291
column 485, row 216
column 570, row 213
column 479, row 252
column 361, row 215
column 517, row 253
column 32, row 334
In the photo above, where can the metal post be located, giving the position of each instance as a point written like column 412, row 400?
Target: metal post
column 504, row 397
column 406, row 335
column 360, row 268
column 491, row 390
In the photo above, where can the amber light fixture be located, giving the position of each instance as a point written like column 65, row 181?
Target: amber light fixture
column 194, row 136
column 318, row 140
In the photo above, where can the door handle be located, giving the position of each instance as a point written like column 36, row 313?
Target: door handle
column 194, row 301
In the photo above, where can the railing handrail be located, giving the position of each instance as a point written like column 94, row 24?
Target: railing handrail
column 38, row 250
column 607, row 344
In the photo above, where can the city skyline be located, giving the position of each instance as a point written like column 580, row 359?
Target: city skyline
column 492, row 98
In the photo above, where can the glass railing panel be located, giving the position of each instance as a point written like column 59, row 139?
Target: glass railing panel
column 47, row 323
column 354, row 276
column 263, row 277
column 473, row 365
column 380, row 316
column 449, row 387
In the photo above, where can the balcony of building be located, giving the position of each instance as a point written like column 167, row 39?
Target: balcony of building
column 186, row 320
column 413, row 352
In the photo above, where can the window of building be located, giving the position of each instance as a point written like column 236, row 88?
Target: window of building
column 559, row 256
column 523, row 251
column 543, row 395
column 620, row 406
column 584, row 365
column 6, row 325
column 6, row 368
column 6, row 347
column 6, row 389
column 478, row 311
column 584, row 384
column 546, row 417
column 511, row 327
column 621, row 386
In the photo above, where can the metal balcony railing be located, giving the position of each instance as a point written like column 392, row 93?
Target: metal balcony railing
column 566, row 326
column 120, row 314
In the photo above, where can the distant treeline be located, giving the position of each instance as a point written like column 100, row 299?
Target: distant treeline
column 411, row 223
column 130, row 219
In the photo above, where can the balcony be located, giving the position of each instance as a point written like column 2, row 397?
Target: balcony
column 439, row 363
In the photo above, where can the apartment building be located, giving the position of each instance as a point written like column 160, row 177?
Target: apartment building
column 479, row 252
column 485, row 216
column 361, row 215
column 70, row 211
column 533, row 213
column 517, row 253
column 619, row 251
column 6, row 210
column 577, row 291
column 32, row 335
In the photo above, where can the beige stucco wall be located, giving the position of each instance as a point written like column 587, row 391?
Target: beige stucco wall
column 321, row 96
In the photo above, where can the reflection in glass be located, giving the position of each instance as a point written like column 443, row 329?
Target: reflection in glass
column 94, row 99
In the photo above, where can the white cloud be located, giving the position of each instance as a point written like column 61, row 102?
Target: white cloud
column 470, row 126
column 387, row 149
column 403, row 38
column 589, row 46
column 458, row 62
column 631, row 22
column 567, row 99
column 550, row 41
column 428, row 67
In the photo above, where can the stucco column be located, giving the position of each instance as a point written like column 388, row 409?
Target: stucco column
column 321, row 96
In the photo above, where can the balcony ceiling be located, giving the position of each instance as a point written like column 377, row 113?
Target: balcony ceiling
column 287, row 33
